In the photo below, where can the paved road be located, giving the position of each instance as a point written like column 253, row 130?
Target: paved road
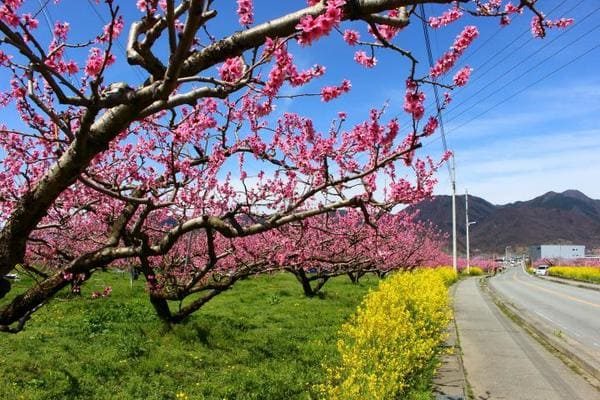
column 504, row 362
column 570, row 311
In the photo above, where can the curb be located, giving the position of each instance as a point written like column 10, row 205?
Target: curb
column 450, row 382
column 566, row 352
column 579, row 284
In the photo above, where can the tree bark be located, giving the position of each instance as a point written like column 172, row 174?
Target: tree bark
column 306, row 282
column 161, row 306
column 24, row 303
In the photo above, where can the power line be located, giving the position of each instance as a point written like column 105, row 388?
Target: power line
column 528, row 86
column 47, row 18
column 554, row 54
column 500, row 52
column 435, row 89
column 512, row 67
column 525, row 33
column 451, row 166
column 502, row 28
column 543, row 78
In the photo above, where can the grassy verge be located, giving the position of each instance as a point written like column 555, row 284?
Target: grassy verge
column 473, row 271
column 261, row 340
column 584, row 274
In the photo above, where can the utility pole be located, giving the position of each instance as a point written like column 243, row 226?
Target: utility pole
column 451, row 165
column 453, row 178
column 467, row 224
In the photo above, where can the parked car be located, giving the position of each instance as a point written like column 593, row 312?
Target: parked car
column 542, row 270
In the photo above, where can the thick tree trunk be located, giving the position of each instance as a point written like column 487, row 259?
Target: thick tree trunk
column 33, row 206
column 4, row 287
column 184, row 312
column 320, row 283
column 306, row 282
column 25, row 303
column 382, row 274
column 161, row 306
column 356, row 275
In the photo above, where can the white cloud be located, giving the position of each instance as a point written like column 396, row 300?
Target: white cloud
column 550, row 143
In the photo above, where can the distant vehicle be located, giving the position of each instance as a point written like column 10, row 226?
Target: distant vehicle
column 542, row 270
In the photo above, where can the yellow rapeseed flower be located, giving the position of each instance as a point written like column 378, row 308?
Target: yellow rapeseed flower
column 394, row 334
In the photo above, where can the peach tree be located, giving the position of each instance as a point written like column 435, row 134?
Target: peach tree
column 97, row 171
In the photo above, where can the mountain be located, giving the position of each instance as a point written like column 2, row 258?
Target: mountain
column 569, row 217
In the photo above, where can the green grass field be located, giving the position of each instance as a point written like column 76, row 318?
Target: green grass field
column 261, row 340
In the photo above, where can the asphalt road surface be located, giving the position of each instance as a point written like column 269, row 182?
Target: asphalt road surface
column 570, row 311
column 502, row 361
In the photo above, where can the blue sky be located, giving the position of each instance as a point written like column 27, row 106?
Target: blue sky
column 513, row 138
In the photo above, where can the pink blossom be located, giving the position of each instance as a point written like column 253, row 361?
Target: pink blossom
column 538, row 25
column 489, row 8
column 245, row 11
column 8, row 16
column 413, row 100
column 232, row 70
column 329, row 93
column 302, row 78
column 61, row 29
column 364, row 60
column 95, row 61
column 448, row 59
column 537, row 29
column 29, row 21
column 510, row 8
column 117, row 28
column 447, row 98
column 561, row 23
column 387, row 32
column 142, row 5
column 107, row 291
column 351, row 37
column 446, row 18
column 312, row 28
column 4, row 58
column 462, row 76
column 430, row 127
column 72, row 67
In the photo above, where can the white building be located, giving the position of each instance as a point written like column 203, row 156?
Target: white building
column 565, row 251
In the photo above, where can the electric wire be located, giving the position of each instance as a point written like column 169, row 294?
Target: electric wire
column 480, row 74
column 473, row 97
column 524, row 34
column 544, row 77
column 435, row 90
column 513, row 95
